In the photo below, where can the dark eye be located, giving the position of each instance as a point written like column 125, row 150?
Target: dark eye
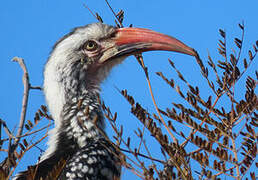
column 91, row 45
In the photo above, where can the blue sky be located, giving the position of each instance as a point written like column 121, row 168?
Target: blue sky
column 30, row 28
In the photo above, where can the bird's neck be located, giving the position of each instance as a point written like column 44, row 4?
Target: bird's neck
column 82, row 118
column 77, row 114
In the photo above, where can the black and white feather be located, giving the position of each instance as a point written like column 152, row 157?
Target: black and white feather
column 72, row 76
column 79, row 62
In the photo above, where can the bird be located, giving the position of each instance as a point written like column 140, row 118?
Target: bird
column 79, row 62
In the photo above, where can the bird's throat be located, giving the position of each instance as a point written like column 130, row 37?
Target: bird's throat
column 80, row 119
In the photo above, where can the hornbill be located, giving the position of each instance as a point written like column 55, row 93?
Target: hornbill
column 79, row 62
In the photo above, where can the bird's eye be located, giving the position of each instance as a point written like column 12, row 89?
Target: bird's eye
column 91, row 45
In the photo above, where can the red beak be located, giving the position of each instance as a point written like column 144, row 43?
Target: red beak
column 135, row 40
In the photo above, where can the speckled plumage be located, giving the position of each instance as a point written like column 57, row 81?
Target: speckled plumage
column 79, row 62
column 71, row 87
column 93, row 162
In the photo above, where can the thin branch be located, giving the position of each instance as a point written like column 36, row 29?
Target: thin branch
column 7, row 131
column 36, row 87
column 143, row 155
column 236, row 157
column 141, row 141
column 149, row 154
column 90, row 11
column 27, row 149
column 203, row 121
column 26, row 84
column 121, row 24
column 140, row 60
column 38, row 130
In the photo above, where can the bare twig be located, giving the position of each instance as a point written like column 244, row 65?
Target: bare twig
column 140, row 60
column 26, row 84
column 27, row 149
column 149, row 154
column 143, row 155
column 236, row 158
column 121, row 24
column 36, row 87
column 141, row 141
column 7, row 131
column 90, row 11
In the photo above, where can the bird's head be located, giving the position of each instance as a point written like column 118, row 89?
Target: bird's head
column 83, row 58
column 94, row 49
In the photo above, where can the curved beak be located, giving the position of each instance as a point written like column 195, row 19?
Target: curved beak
column 131, row 41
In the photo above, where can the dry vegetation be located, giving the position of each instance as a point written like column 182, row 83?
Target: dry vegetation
column 220, row 140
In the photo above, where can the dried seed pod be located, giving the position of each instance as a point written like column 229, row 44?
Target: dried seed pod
column 99, row 18
column 222, row 33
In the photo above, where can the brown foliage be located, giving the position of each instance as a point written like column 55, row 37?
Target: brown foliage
column 221, row 140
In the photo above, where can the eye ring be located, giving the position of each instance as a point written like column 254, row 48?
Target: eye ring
column 91, row 45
